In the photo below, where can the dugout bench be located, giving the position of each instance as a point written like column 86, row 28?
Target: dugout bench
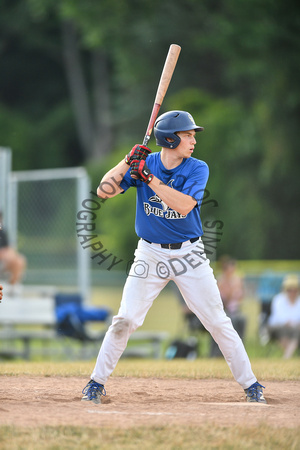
column 25, row 320
column 32, row 317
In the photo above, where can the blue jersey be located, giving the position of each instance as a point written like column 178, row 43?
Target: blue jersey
column 155, row 221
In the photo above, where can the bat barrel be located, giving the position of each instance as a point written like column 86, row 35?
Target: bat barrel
column 166, row 75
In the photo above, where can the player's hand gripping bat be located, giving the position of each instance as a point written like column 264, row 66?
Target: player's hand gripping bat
column 163, row 85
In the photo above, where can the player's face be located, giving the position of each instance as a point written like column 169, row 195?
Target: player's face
column 187, row 144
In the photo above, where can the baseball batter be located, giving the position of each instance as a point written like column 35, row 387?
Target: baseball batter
column 170, row 185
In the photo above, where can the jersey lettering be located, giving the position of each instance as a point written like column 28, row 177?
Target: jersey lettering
column 153, row 210
column 165, row 210
column 174, row 215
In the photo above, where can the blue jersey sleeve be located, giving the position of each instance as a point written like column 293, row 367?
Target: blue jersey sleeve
column 194, row 185
column 127, row 181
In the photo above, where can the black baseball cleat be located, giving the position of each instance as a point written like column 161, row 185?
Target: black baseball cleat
column 254, row 393
column 93, row 392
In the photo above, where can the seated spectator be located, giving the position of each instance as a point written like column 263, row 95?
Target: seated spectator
column 12, row 262
column 284, row 321
column 269, row 285
column 231, row 288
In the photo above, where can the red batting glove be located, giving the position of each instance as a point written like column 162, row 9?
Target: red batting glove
column 140, row 170
column 137, row 152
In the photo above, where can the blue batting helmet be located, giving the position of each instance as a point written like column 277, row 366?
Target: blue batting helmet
column 168, row 124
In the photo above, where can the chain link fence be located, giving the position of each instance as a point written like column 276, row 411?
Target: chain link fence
column 42, row 225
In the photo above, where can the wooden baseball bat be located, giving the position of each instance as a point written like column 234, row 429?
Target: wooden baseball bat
column 166, row 75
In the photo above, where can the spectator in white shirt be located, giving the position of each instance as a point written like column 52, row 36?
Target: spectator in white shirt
column 284, row 321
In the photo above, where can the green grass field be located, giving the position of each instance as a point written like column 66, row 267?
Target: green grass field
column 150, row 438
column 265, row 369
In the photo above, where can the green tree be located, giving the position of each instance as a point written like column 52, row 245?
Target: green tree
column 78, row 81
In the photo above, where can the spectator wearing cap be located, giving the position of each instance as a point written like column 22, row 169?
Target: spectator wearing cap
column 284, row 321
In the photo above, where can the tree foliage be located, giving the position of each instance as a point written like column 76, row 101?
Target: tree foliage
column 77, row 85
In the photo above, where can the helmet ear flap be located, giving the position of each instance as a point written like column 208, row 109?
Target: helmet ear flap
column 166, row 140
column 173, row 143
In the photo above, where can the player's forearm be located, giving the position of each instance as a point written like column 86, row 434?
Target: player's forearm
column 182, row 203
column 110, row 183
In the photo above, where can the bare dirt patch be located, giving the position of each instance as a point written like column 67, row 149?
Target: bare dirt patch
column 131, row 402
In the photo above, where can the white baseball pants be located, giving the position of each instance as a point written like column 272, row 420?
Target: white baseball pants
column 189, row 268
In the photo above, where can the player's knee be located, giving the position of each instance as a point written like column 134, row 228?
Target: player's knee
column 121, row 326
